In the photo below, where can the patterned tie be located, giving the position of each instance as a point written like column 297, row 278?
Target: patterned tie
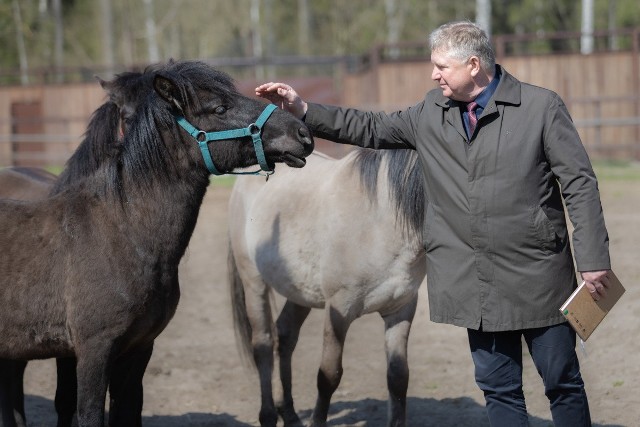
column 473, row 120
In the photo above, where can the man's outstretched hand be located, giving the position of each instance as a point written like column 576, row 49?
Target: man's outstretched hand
column 284, row 96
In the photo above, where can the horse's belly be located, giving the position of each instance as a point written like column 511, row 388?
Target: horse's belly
column 306, row 294
column 383, row 288
column 390, row 296
column 34, row 341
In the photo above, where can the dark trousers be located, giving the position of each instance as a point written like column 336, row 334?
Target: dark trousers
column 497, row 357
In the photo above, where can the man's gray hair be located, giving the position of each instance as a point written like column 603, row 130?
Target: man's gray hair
column 462, row 40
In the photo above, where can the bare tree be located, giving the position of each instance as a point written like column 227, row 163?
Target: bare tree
column 22, row 51
column 150, row 24
column 395, row 11
column 304, row 24
column 611, row 24
column 106, row 14
column 256, row 36
column 58, row 49
column 483, row 15
column 586, row 41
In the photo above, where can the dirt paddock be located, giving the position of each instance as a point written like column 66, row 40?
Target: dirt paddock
column 196, row 378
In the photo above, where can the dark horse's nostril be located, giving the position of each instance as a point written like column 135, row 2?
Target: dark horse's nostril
column 305, row 135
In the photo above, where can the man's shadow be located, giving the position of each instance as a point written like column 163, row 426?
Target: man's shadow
column 421, row 412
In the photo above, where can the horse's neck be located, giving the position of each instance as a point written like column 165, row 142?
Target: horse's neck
column 161, row 219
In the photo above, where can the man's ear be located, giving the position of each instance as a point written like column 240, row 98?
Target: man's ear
column 474, row 62
column 167, row 90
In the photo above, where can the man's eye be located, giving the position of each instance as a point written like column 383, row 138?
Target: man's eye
column 220, row 109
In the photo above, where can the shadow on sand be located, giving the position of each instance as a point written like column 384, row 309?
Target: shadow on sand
column 421, row 412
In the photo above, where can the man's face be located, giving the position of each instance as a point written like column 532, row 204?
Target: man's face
column 454, row 77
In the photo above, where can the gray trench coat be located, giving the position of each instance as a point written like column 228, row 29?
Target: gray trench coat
column 497, row 244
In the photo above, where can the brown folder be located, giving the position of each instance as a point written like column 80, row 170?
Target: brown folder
column 584, row 313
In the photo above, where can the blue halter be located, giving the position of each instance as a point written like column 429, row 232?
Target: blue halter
column 254, row 130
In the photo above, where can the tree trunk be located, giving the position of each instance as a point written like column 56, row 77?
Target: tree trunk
column 483, row 15
column 150, row 23
column 22, row 51
column 304, row 26
column 256, row 38
column 58, row 47
column 395, row 14
column 106, row 15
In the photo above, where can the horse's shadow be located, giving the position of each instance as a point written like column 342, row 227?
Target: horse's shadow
column 41, row 413
column 456, row 412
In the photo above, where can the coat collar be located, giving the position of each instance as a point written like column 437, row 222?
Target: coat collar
column 507, row 92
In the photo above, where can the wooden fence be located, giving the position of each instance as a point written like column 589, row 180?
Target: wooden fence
column 601, row 90
column 42, row 124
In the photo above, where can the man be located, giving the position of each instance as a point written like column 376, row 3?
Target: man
column 498, row 156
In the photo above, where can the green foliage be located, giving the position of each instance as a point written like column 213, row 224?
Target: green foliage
column 207, row 29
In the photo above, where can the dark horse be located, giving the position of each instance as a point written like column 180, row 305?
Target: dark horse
column 102, row 138
column 96, row 274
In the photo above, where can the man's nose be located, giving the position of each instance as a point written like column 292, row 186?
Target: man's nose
column 435, row 74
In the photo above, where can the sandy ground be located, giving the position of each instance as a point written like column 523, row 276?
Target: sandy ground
column 195, row 377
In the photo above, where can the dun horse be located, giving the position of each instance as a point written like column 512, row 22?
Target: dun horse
column 92, row 272
column 343, row 235
column 102, row 139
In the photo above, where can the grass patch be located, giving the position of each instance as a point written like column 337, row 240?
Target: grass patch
column 54, row 169
column 224, row 181
column 610, row 170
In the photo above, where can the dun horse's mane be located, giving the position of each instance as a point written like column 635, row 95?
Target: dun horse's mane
column 405, row 181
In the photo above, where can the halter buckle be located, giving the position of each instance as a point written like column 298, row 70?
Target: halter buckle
column 201, row 136
column 254, row 129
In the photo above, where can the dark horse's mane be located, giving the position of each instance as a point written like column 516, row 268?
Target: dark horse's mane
column 144, row 156
column 99, row 143
column 406, row 186
column 140, row 155
column 103, row 139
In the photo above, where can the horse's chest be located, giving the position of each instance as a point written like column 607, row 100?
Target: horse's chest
column 152, row 316
column 162, row 307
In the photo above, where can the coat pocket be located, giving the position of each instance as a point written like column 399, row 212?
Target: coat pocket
column 543, row 230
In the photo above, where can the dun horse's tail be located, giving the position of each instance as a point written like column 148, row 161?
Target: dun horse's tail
column 241, row 325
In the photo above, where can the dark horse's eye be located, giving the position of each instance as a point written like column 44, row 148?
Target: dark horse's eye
column 220, row 109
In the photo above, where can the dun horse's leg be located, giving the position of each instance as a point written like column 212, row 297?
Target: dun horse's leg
column 125, row 389
column 259, row 314
column 11, row 393
column 66, row 390
column 289, row 323
column 397, row 326
column 330, row 372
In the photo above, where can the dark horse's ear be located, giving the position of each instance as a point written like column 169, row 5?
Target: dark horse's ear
column 112, row 90
column 167, row 90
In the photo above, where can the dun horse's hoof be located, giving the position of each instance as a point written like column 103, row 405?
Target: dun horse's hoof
column 316, row 423
column 292, row 421
column 290, row 418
